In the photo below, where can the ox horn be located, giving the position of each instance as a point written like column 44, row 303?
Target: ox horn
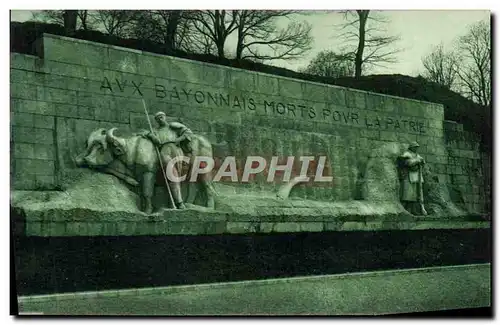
column 110, row 137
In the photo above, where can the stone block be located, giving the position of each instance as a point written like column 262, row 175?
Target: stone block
column 94, row 74
column 109, row 115
column 311, row 226
column 135, row 105
column 23, row 91
column 47, row 182
column 22, row 61
column 436, row 124
column 434, row 111
column 44, row 152
column 78, row 229
column 333, row 225
column 23, row 183
column 389, row 136
column 32, row 106
column 289, row 88
column 66, row 110
column 22, row 119
column 314, row 92
column 241, row 80
column 33, row 228
column 241, row 227
column 44, row 121
column 24, row 150
column 286, row 227
column 215, row 227
column 266, row 84
column 266, row 227
column 22, row 134
column 121, row 60
column 35, row 167
column 85, row 112
column 410, row 108
column 65, row 82
column 56, row 95
column 185, row 71
column 355, row 99
column 335, row 95
column 148, row 65
column 65, row 69
column 186, row 228
column 27, row 77
column 352, row 226
column 381, row 103
column 84, row 54
column 370, row 134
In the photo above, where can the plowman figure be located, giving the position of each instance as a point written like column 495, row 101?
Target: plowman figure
column 411, row 177
column 165, row 135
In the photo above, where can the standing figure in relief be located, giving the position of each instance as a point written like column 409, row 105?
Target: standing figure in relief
column 172, row 139
column 410, row 165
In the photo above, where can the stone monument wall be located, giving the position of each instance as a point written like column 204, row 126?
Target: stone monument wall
column 73, row 87
column 468, row 168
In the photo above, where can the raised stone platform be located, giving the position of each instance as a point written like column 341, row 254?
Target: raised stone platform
column 199, row 221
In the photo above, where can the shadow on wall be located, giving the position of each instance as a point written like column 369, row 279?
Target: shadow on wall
column 380, row 182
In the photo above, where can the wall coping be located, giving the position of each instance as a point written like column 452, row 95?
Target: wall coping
column 125, row 49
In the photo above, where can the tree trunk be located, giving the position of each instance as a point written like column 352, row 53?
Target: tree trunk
column 70, row 17
column 173, row 22
column 241, row 36
column 220, row 38
column 358, row 61
column 83, row 14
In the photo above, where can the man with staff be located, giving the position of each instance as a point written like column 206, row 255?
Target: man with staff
column 411, row 177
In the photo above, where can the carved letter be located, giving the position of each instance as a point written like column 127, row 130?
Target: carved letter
column 236, row 102
column 106, row 85
column 214, row 99
column 354, row 117
column 326, row 112
column 136, row 88
column 160, row 91
column 278, row 108
column 187, row 93
column 196, row 97
column 266, row 104
column 175, row 94
column 251, row 104
column 312, row 112
column 120, row 86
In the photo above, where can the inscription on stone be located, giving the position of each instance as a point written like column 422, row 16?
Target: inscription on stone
column 262, row 106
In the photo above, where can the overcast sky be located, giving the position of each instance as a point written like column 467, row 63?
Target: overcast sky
column 419, row 31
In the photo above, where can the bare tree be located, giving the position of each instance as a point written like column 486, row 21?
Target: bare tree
column 330, row 64
column 70, row 19
column 84, row 21
column 115, row 22
column 474, row 71
column 215, row 25
column 441, row 66
column 162, row 26
column 257, row 29
column 373, row 46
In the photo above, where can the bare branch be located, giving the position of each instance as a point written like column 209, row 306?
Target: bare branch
column 365, row 36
